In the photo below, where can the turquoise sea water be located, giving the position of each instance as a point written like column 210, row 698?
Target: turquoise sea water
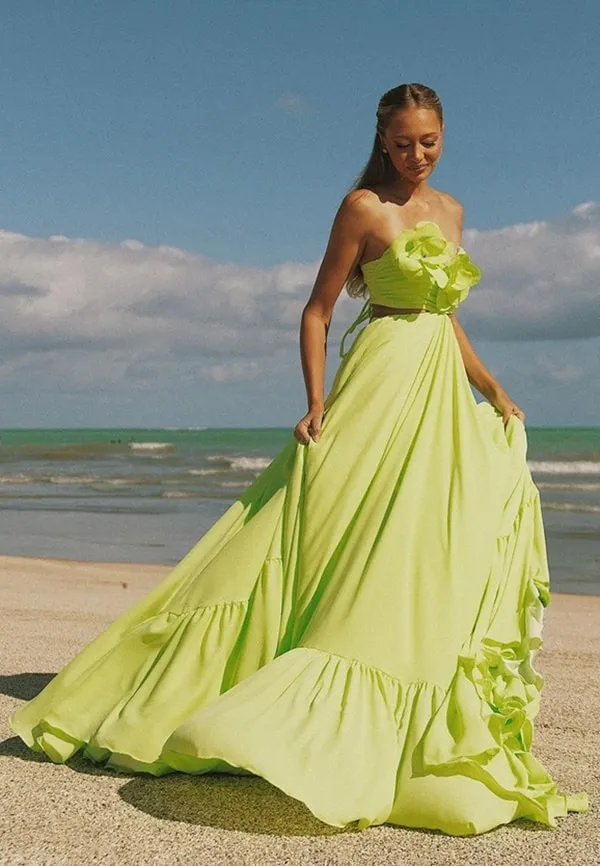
column 147, row 495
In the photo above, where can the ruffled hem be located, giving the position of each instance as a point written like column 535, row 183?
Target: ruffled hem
column 348, row 739
column 211, row 689
column 484, row 726
column 162, row 669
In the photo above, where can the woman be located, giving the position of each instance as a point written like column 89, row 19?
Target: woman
column 358, row 628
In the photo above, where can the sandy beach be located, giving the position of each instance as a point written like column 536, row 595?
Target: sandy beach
column 78, row 814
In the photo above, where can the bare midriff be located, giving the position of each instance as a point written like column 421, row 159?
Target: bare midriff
column 379, row 310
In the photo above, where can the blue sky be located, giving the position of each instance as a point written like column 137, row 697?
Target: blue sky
column 189, row 157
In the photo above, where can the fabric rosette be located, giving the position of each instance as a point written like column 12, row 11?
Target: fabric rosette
column 460, row 275
column 442, row 264
column 425, row 249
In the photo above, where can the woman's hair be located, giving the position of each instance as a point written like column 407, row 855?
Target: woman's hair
column 379, row 169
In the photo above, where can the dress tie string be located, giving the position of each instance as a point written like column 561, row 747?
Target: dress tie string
column 364, row 314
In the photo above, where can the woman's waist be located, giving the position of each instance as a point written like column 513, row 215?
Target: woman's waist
column 372, row 310
column 377, row 310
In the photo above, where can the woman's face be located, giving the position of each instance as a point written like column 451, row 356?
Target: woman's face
column 413, row 141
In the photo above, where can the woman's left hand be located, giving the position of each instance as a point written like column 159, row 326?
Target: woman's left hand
column 508, row 407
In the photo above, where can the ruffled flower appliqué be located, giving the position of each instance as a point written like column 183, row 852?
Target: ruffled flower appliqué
column 461, row 275
column 438, row 262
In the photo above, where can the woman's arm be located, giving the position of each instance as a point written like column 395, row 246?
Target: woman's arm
column 344, row 249
column 477, row 373
column 481, row 378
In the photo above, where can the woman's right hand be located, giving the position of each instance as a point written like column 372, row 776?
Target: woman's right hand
column 310, row 425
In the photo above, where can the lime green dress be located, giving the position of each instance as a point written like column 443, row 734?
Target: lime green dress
column 359, row 627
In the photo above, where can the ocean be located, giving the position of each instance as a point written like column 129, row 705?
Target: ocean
column 148, row 495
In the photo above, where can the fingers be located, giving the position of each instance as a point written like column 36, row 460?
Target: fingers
column 301, row 431
column 307, row 428
column 514, row 411
column 301, row 434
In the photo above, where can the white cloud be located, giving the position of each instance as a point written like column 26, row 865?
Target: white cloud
column 541, row 280
column 586, row 208
column 84, row 314
column 62, row 298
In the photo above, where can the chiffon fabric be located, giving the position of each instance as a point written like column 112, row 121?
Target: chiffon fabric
column 359, row 627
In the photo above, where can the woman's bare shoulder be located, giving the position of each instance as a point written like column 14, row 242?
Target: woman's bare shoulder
column 357, row 209
column 451, row 205
column 359, row 200
column 365, row 207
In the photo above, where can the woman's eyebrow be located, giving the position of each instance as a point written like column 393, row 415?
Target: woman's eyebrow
column 425, row 135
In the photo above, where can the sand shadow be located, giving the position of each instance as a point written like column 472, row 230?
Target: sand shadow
column 220, row 800
column 223, row 801
column 226, row 802
column 24, row 686
column 14, row 747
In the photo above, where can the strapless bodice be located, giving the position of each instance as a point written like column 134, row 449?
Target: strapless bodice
column 420, row 269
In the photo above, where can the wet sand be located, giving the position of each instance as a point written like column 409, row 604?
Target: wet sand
column 78, row 814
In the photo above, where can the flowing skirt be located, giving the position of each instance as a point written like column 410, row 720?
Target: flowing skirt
column 358, row 628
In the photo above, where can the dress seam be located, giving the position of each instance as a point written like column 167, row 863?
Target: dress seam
column 348, row 659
